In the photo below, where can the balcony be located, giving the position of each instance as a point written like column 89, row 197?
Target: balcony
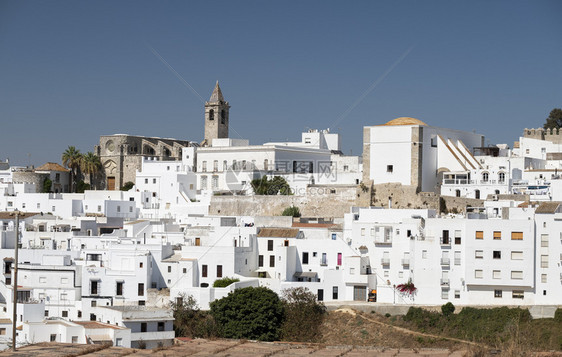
column 445, row 282
column 406, row 262
column 445, row 262
column 385, row 261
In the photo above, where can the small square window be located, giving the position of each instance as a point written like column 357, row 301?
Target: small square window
column 389, row 168
column 497, row 293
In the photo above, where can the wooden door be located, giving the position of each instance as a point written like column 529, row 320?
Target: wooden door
column 111, row 183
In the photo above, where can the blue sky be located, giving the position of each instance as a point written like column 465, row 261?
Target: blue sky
column 71, row 71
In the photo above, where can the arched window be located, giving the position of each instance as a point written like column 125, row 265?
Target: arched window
column 497, row 192
column 211, row 114
column 458, row 193
column 223, row 116
column 167, row 152
column 485, row 176
column 501, row 177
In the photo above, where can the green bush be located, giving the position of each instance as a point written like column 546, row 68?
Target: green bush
column 448, row 309
column 47, row 183
column 224, row 282
column 558, row 315
column 277, row 185
column 249, row 313
column 127, row 186
column 292, row 211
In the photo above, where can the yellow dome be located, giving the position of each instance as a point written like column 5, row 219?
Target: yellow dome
column 405, row 121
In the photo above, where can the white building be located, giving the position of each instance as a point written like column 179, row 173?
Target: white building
column 412, row 153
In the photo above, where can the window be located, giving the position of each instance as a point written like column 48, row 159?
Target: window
column 320, row 294
column 305, row 257
column 497, row 254
column 94, row 287
column 496, row 274
column 501, row 177
column 517, row 294
column 141, row 289
column 169, row 268
column 65, row 313
column 334, row 236
column 516, row 235
column 143, row 326
column 216, row 165
column 153, row 180
column 93, row 303
column 444, row 294
column 270, row 245
column 119, row 342
column 204, row 271
column 544, row 261
column 424, row 254
column 42, row 279
column 389, row 168
column 478, row 274
column 478, row 254
column 479, row 234
column 457, row 193
column 118, row 208
column 339, row 258
column 497, row 293
column 2, row 331
column 544, row 240
column 99, row 208
column 335, row 293
column 260, row 260
column 497, row 235
column 185, row 270
column 219, row 271
column 46, row 314
column 272, row 261
column 485, row 176
column 53, row 337
column 543, row 278
column 363, row 232
column 203, row 182
column 445, row 239
column 140, row 265
column 160, row 326
column 457, row 258
column 516, row 275
column 516, row 255
column 119, row 288
column 457, row 294
column 477, row 194
column 457, row 237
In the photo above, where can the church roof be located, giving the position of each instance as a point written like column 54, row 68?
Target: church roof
column 405, row 121
column 217, row 94
column 51, row 166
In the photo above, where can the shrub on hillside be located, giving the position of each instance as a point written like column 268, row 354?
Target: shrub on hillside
column 304, row 315
column 189, row 321
column 447, row 309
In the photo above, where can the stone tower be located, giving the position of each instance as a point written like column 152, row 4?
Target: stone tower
column 216, row 117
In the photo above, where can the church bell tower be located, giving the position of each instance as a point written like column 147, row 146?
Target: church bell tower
column 216, row 117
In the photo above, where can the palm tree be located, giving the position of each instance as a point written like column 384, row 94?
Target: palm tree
column 71, row 158
column 90, row 165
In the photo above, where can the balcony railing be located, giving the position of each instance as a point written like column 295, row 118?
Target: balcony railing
column 445, row 261
column 445, row 282
column 385, row 261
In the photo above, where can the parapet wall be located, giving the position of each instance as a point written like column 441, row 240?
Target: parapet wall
column 553, row 135
column 320, row 201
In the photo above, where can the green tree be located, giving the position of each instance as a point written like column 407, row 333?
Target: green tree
column 47, row 183
column 72, row 158
column 554, row 120
column 265, row 186
column 250, row 313
column 303, row 315
column 91, row 166
column 292, row 211
column 127, row 186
